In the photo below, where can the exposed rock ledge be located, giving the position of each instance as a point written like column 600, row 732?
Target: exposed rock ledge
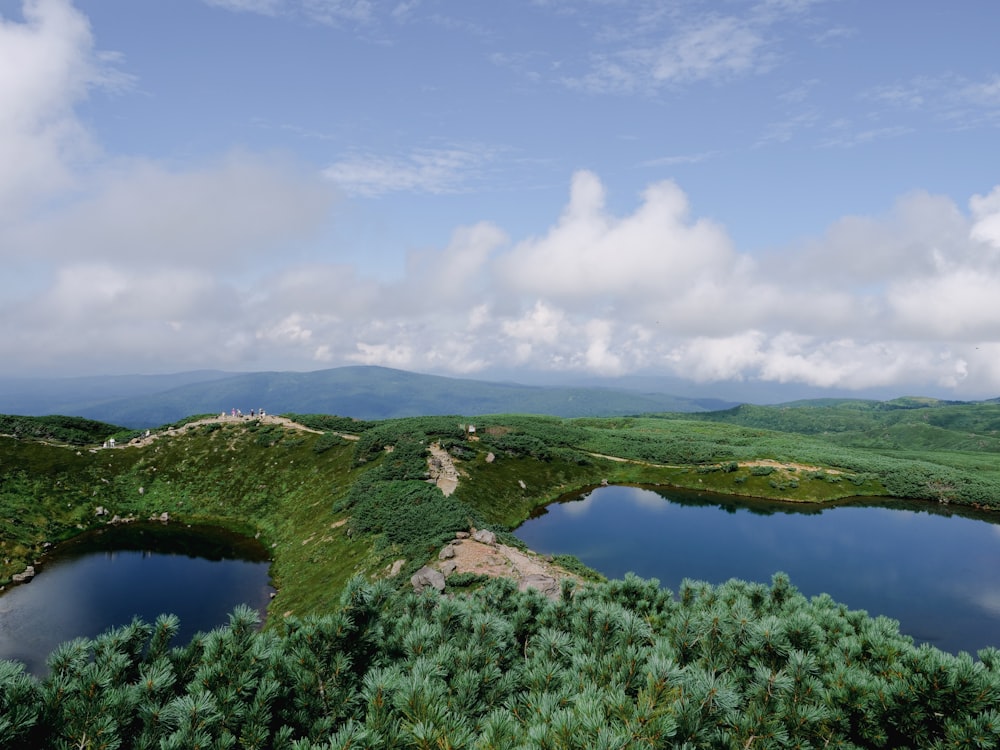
column 480, row 554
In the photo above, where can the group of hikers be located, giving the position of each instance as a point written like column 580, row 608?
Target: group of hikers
column 110, row 442
column 238, row 414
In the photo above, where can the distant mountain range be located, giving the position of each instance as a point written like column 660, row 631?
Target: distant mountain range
column 141, row 401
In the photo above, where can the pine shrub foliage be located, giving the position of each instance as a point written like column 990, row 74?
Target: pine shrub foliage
column 623, row 664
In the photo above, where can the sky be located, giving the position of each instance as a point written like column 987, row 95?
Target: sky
column 800, row 193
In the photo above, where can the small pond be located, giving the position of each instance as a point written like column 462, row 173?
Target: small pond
column 935, row 570
column 103, row 579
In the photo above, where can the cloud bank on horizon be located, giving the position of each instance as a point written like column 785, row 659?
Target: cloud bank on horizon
column 785, row 191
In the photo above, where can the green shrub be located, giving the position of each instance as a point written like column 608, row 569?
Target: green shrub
column 618, row 664
column 465, row 580
column 326, row 441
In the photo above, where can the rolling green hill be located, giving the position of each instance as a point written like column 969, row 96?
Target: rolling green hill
column 285, row 483
column 856, row 422
column 351, row 659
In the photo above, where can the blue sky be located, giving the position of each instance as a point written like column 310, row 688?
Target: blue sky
column 799, row 192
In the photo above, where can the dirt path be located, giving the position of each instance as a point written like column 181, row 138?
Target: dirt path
column 742, row 464
column 442, row 469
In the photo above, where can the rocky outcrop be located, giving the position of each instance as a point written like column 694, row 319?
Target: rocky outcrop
column 427, row 578
column 396, row 567
column 24, row 577
column 545, row 585
column 485, row 536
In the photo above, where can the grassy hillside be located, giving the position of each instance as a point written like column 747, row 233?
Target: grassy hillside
column 345, row 497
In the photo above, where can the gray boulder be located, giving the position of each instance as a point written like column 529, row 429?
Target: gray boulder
column 427, row 578
column 545, row 585
column 485, row 536
column 27, row 575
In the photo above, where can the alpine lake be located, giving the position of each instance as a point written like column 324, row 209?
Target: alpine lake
column 935, row 569
column 104, row 579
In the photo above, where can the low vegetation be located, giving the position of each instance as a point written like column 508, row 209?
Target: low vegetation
column 350, row 659
column 616, row 665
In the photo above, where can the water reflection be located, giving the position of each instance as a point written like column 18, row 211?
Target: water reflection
column 104, row 579
column 931, row 568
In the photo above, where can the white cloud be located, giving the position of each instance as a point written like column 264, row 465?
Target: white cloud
column 715, row 47
column 670, row 161
column 914, row 239
column 264, row 7
column 986, row 215
column 337, row 11
column 386, row 355
column 959, row 305
column 539, row 325
column 711, row 48
column 601, row 357
column 721, row 358
column 957, row 100
column 332, row 12
column 646, row 52
column 433, row 171
column 457, row 274
column 47, row 65
column 590, row 255
column 139, row 213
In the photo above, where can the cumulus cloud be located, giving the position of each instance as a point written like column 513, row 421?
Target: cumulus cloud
column 917, row 237
column 656, row 289
column 986, row 215
column 592, row 255
column 961, row 304
column 47, row 65
column 116, row 264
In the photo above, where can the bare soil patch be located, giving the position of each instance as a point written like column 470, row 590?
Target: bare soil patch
column 442, row 469
column 503, row 561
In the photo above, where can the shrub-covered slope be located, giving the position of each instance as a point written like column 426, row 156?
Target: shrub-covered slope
column 332, row 496
column 618, row 665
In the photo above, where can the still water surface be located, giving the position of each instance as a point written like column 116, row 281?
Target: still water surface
column 102, row 580
column 936, row 572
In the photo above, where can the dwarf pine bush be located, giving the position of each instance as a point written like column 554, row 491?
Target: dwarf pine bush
column 623, row 664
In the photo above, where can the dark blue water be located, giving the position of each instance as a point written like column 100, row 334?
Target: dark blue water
column 103, row 580
column 937, row 573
